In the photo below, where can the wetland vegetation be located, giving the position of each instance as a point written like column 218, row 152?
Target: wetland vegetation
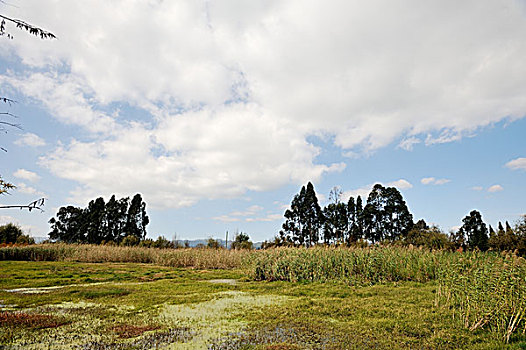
column 98, row 297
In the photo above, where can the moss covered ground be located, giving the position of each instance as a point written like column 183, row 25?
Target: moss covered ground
column 72, row 305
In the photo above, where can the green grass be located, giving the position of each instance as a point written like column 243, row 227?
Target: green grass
column 139, row 306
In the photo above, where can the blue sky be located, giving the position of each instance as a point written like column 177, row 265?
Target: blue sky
column 219, row 111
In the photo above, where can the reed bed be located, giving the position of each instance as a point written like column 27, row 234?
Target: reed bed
column 483, row 290
column 486, row 290
column 350, row 265
column 192, row 258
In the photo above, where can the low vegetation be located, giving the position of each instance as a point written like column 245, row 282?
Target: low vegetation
column 481, row 295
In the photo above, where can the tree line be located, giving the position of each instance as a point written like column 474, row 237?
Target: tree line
column 116, row 221
column 385, row 218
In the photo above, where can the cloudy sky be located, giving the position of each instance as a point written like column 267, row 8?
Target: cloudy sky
column 217, row 111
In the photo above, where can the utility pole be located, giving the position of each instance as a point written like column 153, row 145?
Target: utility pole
column 226, row 240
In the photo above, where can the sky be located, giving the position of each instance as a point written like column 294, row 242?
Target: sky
column 217, row 112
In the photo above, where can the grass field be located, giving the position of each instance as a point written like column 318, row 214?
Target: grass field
column 126, row 305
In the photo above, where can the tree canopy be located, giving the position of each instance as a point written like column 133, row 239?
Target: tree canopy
column 101, row 222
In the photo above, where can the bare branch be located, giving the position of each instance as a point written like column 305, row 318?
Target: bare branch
column 11, row 124
column 7, row 100
column 38, row 204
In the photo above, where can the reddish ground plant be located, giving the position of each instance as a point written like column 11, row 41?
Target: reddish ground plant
column 29, row 320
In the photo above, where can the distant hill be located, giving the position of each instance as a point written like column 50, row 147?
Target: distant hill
column 192, row 242
column 195, row 242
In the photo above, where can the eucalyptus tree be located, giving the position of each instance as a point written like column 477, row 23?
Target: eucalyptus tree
column 335, row 223
column 474, row 229
column 386, row 216
column 304, row 219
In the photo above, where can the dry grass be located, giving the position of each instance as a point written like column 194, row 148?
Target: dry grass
column 193, row 258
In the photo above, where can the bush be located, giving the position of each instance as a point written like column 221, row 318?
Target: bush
column 242, row 241
column 25, row 239
column 130, row 241
column 431, row 238
column 10, row 233
column 213, row 243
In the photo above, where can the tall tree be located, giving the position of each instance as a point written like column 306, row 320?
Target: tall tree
column 69, row 225
column 304, row 219
column 335, row 219
column 95, row 221
column 137, row 219
column 312, row 216
column 292, row 228
column 386, row 215
column 115, row 219
column 475, row 230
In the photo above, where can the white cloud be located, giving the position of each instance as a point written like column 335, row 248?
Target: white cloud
column 195, row 155
column 408, row 143
column 363, row 192
column 268, row 218
column 23, row 188
column 26, row 175
column 232, row 91
column 30, row 139
column 434, row 181
column 226, row 218
column 442, row 181
column 250, row 214
column 495, row 188
column 427, row 180
column 400, row 184
column 477, row 188
column 517, row 164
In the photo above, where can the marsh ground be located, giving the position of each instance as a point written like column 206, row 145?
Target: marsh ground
column 140, row 306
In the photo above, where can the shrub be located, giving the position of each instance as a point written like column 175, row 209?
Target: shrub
column 10, row 233
column 130, row 241
column 431, row 238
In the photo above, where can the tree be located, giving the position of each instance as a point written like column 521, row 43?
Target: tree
column 335, row 223
column 101, row 222
column 386, row 215
column 115, row 214
column 355, row 222
column 429, row 237
column 213, row 243
column 292, row 228
column 94, row 221
column 69, row 226
column 475, row 230
column 10, row 233
column 137, row 219
column 242, row 241
column 304, row 218
column 312, row 215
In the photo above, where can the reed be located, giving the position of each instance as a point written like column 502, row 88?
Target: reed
column 482, row 290
column 351, row 265
column 192, row 258
column 486, row 290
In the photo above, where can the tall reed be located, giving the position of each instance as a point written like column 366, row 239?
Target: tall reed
column 194, row 258
column 486, row 290
column 352, row 265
